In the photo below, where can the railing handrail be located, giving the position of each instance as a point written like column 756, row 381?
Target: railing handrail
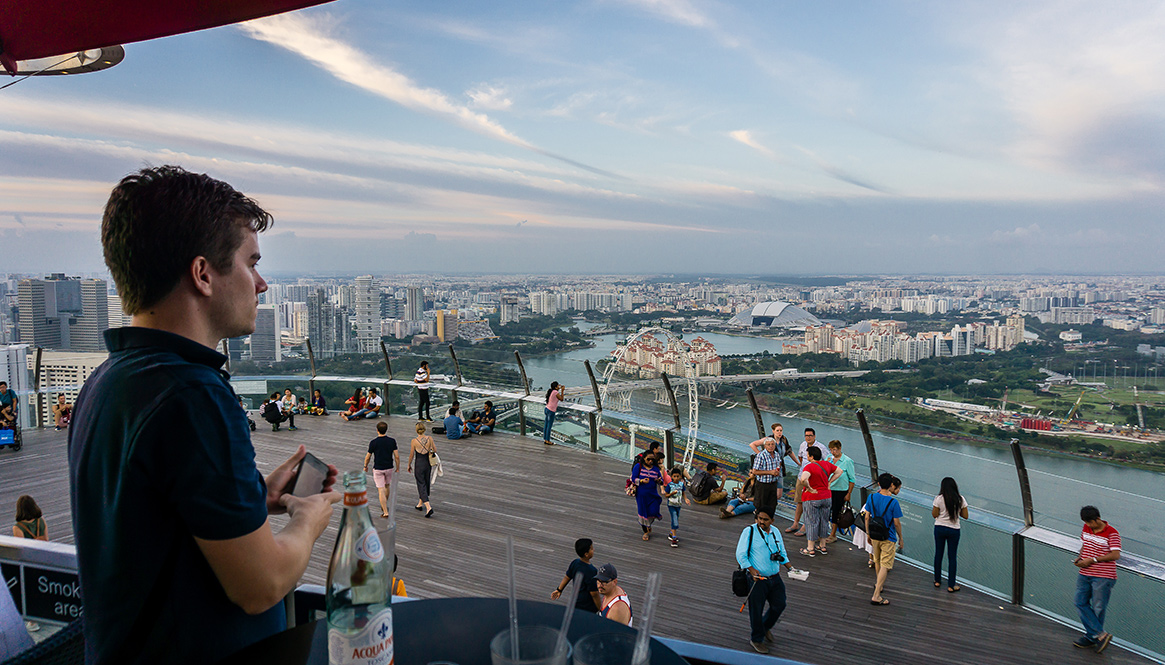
column 1134, row 563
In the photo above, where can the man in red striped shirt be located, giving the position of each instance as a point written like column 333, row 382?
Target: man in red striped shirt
column 1099, row 550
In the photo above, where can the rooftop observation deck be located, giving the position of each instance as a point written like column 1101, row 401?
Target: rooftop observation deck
column 546, row 497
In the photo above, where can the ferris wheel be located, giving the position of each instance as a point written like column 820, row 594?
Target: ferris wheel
column 673, row 343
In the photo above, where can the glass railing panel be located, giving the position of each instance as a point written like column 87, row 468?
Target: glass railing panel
column 1134, row 610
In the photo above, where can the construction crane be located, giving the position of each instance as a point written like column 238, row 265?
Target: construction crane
column 1068, row 418
column 1140, row 413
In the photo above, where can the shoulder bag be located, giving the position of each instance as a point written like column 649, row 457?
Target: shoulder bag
column 740, row 576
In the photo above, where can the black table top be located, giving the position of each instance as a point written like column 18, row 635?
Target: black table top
column 446, row 629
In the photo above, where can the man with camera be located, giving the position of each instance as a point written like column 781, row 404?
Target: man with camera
column 761, row 552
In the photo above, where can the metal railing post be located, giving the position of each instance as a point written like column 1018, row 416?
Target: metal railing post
column 871, row 454
column 1025, row 488
column 36, row 389
column 1018, row 557
column 760, row 425
column 669, row 442
column 388, row 369
column 1017, row 568
column 595, row 416
column 457, row 369
column 521, row 402
column 311, row 383
column 594, row 421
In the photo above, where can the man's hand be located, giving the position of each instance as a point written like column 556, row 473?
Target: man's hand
column 315, row 510
column 278, row 480
column 1081, row 562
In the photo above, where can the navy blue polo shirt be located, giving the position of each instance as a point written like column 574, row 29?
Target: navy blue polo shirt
column 159, row 453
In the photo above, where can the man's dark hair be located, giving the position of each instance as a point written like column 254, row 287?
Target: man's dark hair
column 382, row 427
column 814, row 452
column 896, row 481
column 275, row 395
column 765, row 512
column 712, row 466
column 582, row 545
column 489, row 404
column 810, row 429
column 1089, row 513
column 160, row 219
column 372, row 390
column 885, row 481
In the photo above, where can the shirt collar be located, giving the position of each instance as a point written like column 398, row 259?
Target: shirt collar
column 122, row 339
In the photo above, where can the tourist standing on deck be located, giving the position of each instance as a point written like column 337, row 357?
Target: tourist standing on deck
column 553, row 396
column 883, row 505
column 424, row 449
column 646, row 478
column 176, row 554
column 761, row 551
column 841, row 488
column 385, row 458
column 421, row 379
column 29, row 520
column 813, row 484
column 588, row 599
column 766, row 471
column 1100, row 548
column 783, row 450
column 675, row 498
column 615, row 606
column 946, row 510
column 802, row 460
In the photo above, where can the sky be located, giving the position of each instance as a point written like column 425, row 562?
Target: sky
column 635, row 136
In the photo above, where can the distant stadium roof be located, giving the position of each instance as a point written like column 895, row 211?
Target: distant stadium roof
column 775, row 314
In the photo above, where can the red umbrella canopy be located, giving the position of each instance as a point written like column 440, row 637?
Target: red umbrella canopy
column 32, row 29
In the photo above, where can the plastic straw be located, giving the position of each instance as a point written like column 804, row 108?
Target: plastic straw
column 649, row 602
column 567, row 615
column 513, row 599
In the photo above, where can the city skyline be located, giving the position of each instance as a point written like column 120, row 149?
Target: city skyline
column 645, row 137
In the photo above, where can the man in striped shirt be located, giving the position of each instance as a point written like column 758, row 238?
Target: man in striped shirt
column 1099, row 550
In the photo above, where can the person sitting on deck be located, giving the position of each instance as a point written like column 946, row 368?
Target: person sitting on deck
column 7, row 406
column 319, row 406
column 371, row 407
column 455, row 427
column 273, row 414
column 704, row 489
column 477, row 423
column 489, row 418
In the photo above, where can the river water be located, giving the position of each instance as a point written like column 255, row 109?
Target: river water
column 1131, row 499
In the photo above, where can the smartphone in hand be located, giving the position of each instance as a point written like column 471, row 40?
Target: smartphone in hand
column 309, row 477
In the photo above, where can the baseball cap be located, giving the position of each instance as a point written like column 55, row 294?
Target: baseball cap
column 606, row 573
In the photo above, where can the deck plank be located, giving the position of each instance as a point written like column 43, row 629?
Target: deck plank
column 546, row 497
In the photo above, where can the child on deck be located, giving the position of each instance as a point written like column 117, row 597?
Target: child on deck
column 675, row 493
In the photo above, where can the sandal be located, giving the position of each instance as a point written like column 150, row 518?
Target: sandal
column 793, row 528
column 869, row 563
column 647, row 536
column 954, row 589
column 938, row 584
column 880, row 602
column 822, row 551
column 384, row 515
column 809, row 553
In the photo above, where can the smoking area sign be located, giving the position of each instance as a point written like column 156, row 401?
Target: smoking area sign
column 43, row 594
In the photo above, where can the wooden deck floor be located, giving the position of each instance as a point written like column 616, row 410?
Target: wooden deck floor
column 546, row 497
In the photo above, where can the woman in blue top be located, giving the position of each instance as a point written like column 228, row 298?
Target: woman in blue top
column 646, row 478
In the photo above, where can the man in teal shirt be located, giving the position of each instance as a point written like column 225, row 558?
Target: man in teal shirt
column 842, row 487
column 761, row 552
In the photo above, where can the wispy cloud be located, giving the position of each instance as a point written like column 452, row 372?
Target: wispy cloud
column 676, row 11
column 490, row 98
column 745, row 136
column 841, row 174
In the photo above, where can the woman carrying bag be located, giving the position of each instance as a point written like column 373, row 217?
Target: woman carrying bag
column 424, row 449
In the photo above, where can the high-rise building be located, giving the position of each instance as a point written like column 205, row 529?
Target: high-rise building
column 15, row 372
column 94, row 320
column 509, row 310
column 321, row 324
column 392, row 307
column 265, row 346
column 366, row 303
column 446, row 325
column 414, row 304
column 63, row 373
column 48, row 309
column 1157, row 316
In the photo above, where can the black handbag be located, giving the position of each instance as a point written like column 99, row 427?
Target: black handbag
column 741, row 580
column 846, row 519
